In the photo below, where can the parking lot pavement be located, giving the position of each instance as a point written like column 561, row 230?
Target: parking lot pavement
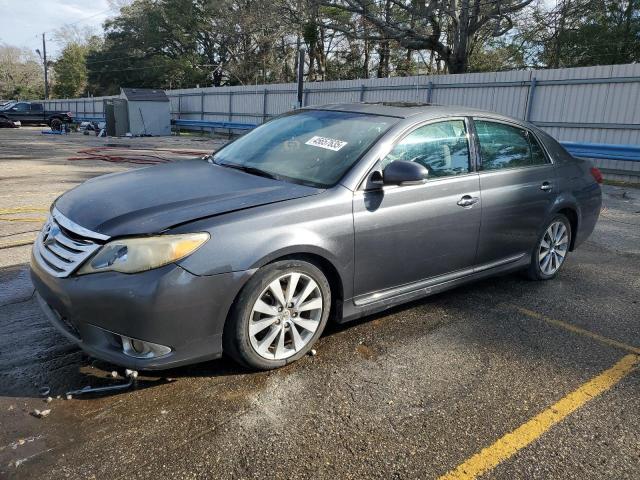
column 503, row 378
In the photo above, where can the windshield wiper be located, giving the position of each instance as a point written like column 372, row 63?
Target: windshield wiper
column 251, row 170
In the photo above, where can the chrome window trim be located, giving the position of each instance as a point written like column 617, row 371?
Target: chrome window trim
column 514, row 124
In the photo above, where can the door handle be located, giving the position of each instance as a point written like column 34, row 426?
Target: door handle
column 468, row 201
column 546, row 186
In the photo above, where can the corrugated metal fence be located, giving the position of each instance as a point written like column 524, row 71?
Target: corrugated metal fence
column 592, row 104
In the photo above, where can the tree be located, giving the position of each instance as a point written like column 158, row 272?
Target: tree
column 446, row 27
column 21, row 74
column 71, row 71
column 584, row 32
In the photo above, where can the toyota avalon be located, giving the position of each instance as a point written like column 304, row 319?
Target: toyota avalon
column 331, row 212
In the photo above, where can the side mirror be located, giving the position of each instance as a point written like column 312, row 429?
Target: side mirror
column 401, row 172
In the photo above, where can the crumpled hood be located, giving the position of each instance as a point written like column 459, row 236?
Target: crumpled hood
column 150, row 200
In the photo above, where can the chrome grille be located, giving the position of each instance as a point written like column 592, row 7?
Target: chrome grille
column 62, row 246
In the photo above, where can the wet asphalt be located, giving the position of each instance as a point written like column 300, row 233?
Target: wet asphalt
column 410, row 393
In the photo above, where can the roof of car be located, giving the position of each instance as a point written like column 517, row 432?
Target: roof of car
column 404, row 109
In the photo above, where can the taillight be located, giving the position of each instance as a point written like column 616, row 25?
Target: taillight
column 596, row 174
column 69, row 114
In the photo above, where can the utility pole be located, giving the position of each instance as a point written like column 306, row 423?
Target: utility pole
column 46, row 75
column 300, row 76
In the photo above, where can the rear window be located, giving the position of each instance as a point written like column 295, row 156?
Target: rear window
column 505, row 146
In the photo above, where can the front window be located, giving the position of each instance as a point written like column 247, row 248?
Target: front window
column 315, row 147
column 21, row 107
column 442, row 148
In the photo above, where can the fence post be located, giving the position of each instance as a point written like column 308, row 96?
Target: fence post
column 179, row 105
column 230, row 110
column 201, row 109
column 362, row 90
column 304, row 98
column 265, row 92
column 532, row 90
column 429, row 91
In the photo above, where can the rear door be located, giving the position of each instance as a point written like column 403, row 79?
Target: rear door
column 36, row 114
column 404, row 234
column 518, row 183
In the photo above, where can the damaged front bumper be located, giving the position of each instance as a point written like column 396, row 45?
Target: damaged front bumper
column 166, row 307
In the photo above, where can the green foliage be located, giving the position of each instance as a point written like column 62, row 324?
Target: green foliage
column 496, row 55
column 71, row 71
column 185, row 43
column 580, row 33
column 21, row 74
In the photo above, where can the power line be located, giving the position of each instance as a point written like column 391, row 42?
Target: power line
column 70, row 24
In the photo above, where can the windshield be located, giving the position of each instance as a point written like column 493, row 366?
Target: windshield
column 314, row 147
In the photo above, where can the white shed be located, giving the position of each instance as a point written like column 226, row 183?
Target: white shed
column 149, row 111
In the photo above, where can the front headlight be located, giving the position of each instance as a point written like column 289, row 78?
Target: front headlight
column 131, row 255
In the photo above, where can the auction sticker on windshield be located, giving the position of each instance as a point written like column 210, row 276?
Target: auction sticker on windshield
column 327, row 143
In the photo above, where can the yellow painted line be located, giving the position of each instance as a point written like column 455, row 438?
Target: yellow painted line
column 512, row 442
column 10, row 211
column 17, row 219
column 578, row 330
column 16, row 244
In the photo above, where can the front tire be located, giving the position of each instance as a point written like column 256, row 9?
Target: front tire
column 551, row 249
column 279, row 315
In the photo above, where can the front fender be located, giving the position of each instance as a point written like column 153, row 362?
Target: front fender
column 320, row 225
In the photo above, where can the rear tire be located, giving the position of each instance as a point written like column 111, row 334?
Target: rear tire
column 551, row 250
column 278, row 316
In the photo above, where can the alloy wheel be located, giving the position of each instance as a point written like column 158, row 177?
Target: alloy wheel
column 553, row 248
column 285, row 316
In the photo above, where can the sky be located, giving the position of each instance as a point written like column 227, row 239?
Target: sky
column 24, row 21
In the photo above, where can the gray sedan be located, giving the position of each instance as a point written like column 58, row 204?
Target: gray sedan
column 332, row 212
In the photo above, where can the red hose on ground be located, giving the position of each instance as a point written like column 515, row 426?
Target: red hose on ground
column 99, row 153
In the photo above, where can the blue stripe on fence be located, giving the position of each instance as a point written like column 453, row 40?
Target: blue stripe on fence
column 211, row 124
column 87, row 119
column 603, row 151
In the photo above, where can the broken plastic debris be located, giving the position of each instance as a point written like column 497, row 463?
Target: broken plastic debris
column 49, row 400
column 44, row 391
column 114, row 374
column 313, row 352
column 41, row 413
column 68, row 396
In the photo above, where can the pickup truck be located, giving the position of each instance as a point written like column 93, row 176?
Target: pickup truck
column 29, row 113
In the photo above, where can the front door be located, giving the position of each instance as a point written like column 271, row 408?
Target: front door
column 20, row 113
column 518, row 185
column 405, row 234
